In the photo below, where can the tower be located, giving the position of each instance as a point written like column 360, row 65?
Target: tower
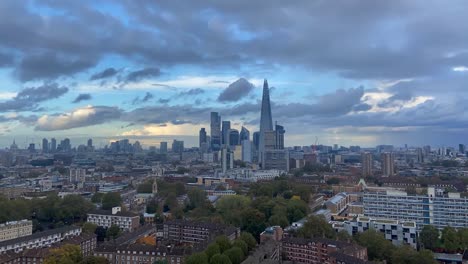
column 366, row 161
column 388, row 164
column 215, row 133
column 155, row 187
column 266, row 121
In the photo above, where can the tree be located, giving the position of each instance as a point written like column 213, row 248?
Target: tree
column 429, row 237
column 160, row 261
column 463, row 236
column 179, row 188
column 235, row 254
column 242, row 245
column 342, row 235
column 97, row 197
column 424, row 257
column 317, row 226
column 223, row 243
column 212, row 250
column 110, row 200
column 64, row 255
column 113, row 232
column 249, row 239
column 220, row 259
column 89, row 228
column 94, row 260
column 171, row 202
column 197, row 258
column 197, row 198
column 253, row 221
column 100, row 233
column 378, row 248
column 152, row 206
column 280, row 220
column 450, row 238
column 146, row 187
column 333, row 181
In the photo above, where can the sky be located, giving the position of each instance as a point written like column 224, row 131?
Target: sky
column 344, row 72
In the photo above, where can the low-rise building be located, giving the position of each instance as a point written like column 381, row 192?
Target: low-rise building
column 15, row 229
column 181, row 231
column 142, row 254
column 127, row 221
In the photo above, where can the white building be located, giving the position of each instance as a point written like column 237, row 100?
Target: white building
column 127, row 221
column 253, row 175
column 15, row 229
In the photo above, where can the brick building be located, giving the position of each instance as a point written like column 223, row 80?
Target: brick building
column 180, row 231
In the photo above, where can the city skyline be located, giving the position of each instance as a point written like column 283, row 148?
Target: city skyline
column 377, row 78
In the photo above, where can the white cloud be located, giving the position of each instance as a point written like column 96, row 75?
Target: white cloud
column 460, row 68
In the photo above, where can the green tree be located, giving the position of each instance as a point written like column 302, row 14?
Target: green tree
column 152, row 206
column 220, row 259
column 160, row 261
column 197, row 198
column 342, row 235
column 424, row 257
column 171, row 202
column 89, row 228
column 212, row 250
column 378, row 248
column 253, row 221
column 463, row 236
column 197, row 258
column 242, row 245
column 146, row 187
column 450, row 238
column 94, row 260
column 317, row 226
column 429, row 237
column 249, row 239
column 280, row 220
column 223, row 243
column 179, row 188
column 64, row 255
column 97, row 197
column 235, row 254
column 100, row 233
column 113, row 232
column 110, row 200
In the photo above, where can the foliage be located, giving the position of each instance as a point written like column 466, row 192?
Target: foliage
column 249, row 239
column 220, row 259
column 95, row 260
column 110, row 200
column 197, row 198
column 223, row 243
column 378, row 248
column 463, row 236
column 342, row 235
column 89, row 228
column 406, row 255
column 212, row 250
column 242, row 245
column 450, row 239
column 64, row 255
column 317, row 226
column 152, row 206
column 97, row 197
column 235, row 254
column 429, row 237
column 146, row 187
column 100, row 233
column 197, row 258
column 333, row 181
column 113, row 232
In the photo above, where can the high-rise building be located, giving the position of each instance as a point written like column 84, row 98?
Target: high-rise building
column 32, row 147
column 53, row 145
column 163, row 147
column 233, row 137
column 226, row 127
column 279, row 134
column 202, row 138
column 420, row 155
column 266, row 121
column 246, row 150
column 90, row 143
column 215, row 127
column 461, row 148
column 178, row 146
column 366, row 161
column 227, row 159
column 244, row 134
column 256, row 140
column 45, row 145
column 388, row 164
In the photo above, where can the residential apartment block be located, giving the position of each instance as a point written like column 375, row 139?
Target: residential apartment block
column 181, row 231
column 15, row 229
column 398, row 232
column 141, row 254
column 320, row 251
column 127, row 221
column 438, row 209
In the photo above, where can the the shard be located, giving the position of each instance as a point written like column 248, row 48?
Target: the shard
column 266, row 121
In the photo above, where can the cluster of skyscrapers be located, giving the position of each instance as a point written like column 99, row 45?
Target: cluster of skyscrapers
column 265, row 149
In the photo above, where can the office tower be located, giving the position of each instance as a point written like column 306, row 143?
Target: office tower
column 279, row 134
column 65, row 145
column 90, row 143
column 246, row 150
column 215, row 127
column 388, row 164
column 178, row 146
column 32, row 147
column 202, row 138
column 45, row 145
column 227, row 159
column 266, row 121
column 53, row 145
column 226, row 126
column 420, row 155
column 335, row 146
column 366, row 161
column 244, row 134
column 233, row 137
column 163, row 147
column 256, row 140
column 461, row 148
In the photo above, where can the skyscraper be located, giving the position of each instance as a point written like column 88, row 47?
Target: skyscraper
column 45, row 145
column 163, row 147
column 266, row 121
column 53, row 145
column 388, row 164
column 90, row 143
column 420, row 155
column 203, row 140
column 279, row 134
column 366, row 161
column 178, row 146
column 215, row 127
column 244, row 134
column 226, row 127
column 233, row 137
column 461, row 148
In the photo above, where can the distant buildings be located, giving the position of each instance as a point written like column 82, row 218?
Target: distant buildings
column 226, row 127
column 163, row 147
column 15, row 229
column 388, row 164
column 215, row 133
column 178, row 146
column 203, row 140
column 181, row 231
column 366, row 161
column 233, row 137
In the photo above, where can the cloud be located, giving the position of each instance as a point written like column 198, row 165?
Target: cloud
column 109, row 72
column 148, row 96
column 236, row 91
column 143, row 74
column 82, row 97
column 6, row 59
column 49, row 65
column 28, row 99
column 80, row 117
column 191, row 92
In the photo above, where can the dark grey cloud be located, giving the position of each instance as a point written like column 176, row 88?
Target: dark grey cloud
column 142, row 74
column 50, row 65
column 6, row 59
column 191, row 92
column 109, row 72
column 148, row 96
column 28, row 99
column 82, row 97
column 163, row 101
column 82, row 117
column 236, row 91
